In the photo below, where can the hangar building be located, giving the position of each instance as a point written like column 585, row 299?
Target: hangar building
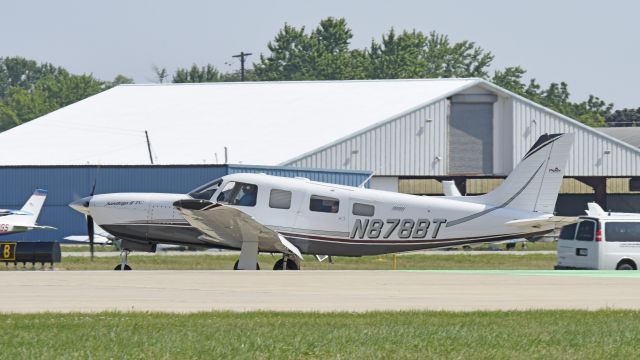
column 410, row 133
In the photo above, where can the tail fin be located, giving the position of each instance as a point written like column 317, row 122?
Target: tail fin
column 33, row 207
column 535, row 182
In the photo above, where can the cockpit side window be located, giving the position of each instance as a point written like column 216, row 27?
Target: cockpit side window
column 238, row 193
column 206, row 191
column 324, row 204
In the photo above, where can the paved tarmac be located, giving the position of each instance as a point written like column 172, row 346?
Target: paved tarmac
column 191, row 291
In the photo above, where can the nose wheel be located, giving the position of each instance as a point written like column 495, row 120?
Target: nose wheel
column 124, row 255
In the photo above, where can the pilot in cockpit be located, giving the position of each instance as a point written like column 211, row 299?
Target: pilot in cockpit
column 249, row 193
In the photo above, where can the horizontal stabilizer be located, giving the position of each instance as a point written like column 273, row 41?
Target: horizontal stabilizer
column 42, row 227
column 545, row 222
column 84, row 239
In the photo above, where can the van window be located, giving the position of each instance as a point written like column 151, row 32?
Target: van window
column 324, row 204
column 363, row 209
column 622, row 232
column 568, row 232
column 586, row 230
column 280, row 199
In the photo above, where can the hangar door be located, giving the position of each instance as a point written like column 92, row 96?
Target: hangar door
column 471, row 134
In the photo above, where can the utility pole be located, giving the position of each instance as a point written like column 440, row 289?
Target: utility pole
column 242, row 55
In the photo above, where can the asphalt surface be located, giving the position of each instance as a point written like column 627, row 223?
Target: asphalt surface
column 192, row 291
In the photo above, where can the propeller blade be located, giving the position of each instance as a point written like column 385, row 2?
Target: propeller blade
column 95, row 181
column 90, row 232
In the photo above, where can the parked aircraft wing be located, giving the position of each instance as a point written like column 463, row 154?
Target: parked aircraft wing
column 555, row 221
column 231, row 225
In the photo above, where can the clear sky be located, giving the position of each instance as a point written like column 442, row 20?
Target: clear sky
column 594, row 46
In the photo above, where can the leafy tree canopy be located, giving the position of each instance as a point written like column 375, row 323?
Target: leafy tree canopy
column 29, row 89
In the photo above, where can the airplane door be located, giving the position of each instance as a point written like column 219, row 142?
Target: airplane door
column 323, row 212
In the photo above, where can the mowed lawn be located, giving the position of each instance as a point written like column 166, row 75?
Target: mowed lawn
column 379, row 335
column 489, row 261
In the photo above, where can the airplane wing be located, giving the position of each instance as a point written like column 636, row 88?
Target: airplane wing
column 556, row 221
column 231, row 225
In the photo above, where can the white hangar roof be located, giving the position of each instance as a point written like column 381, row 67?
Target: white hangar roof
column 262, row 123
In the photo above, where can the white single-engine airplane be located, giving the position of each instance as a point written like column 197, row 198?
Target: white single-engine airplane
column 16, row 221
column 261, row 213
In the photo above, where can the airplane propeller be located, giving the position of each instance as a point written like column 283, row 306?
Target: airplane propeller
column 89, row 218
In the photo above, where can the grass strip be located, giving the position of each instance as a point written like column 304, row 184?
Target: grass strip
column 384, row 262
column 376, row 335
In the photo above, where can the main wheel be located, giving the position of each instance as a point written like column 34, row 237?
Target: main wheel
column 624, row 266
column 119, row 267
column 235, row 266
column 291, row 265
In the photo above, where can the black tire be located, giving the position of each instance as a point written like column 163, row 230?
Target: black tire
column 119, row 267
column 291, row 265
column 235, row 266
column 625, row 266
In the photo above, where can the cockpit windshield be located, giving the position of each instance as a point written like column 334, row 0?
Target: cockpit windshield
column 206, row 191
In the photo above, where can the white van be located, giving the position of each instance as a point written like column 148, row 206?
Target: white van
column 601, row 241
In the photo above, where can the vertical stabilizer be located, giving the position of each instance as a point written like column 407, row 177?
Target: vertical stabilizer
column 535, row 182
column 32, row 207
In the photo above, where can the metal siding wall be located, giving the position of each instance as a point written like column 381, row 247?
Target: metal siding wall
column 397, row 147
column 587, row 155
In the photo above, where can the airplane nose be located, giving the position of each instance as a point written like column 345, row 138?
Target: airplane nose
column 81, row 205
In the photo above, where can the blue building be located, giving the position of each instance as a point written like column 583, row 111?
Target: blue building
column 68, row 183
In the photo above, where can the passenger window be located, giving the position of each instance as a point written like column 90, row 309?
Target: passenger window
column 237, row 193
column 586, row 230
column 568, row 232
column 363, row 209
column 324, row 204
column 280, row 199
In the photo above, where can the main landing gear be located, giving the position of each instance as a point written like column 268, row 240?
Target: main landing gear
column 124, row 254
column 286, row 263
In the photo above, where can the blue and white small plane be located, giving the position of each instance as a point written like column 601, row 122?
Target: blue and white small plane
column 261, row 213
column 16, row 221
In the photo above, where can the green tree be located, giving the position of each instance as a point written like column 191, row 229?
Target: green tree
column 119, row 80
column 415, row 55
column 624, row 117
column 195, row 74
column 323, row 54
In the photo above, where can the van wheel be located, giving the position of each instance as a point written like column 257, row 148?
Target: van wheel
column 625, row 266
